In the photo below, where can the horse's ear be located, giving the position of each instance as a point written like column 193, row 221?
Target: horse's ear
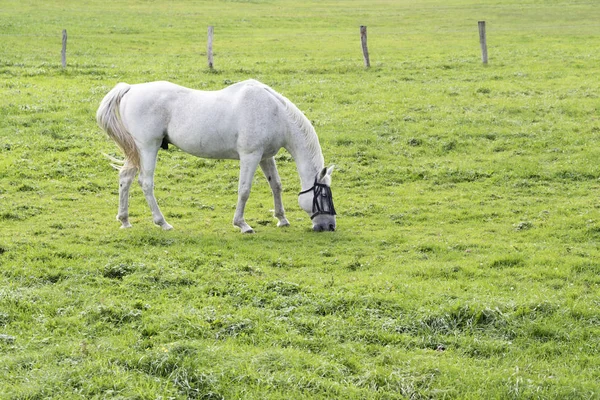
column 324, row 172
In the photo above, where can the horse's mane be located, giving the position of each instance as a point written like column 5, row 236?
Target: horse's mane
column 299, row 120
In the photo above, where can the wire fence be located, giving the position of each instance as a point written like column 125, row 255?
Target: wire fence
column 236, row 42
column 350, row 32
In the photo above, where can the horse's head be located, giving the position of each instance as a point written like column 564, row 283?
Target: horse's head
column 318, row 202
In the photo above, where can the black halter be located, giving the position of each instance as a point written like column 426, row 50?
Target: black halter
column 322, row 199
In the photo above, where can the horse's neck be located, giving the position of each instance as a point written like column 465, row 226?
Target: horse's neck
column 309, row 161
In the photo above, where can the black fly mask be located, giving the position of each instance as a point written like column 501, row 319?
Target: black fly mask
column 322, row 199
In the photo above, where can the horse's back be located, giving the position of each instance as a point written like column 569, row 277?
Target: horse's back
column 243, row 117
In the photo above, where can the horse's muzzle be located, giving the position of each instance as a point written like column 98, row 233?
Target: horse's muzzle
column 324, row 227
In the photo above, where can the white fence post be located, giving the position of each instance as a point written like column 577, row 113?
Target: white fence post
column 365, row 49
column 64, row 49
column 483, row 42
column 209, row 50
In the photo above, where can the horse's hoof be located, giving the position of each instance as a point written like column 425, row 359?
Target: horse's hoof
column 283, row 223
column 126, row 226
column 166, row 227
column 250, row 231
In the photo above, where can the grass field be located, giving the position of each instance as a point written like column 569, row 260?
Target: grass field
column 466, row 260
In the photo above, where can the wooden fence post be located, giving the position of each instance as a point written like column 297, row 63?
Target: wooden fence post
column 365, row 49
column 209, row 50
column 483, row 42
column 63, row 53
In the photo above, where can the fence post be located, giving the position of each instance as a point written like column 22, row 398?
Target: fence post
column 365, row 49
column 63, row 53
column 483, row 42
column 209, row 50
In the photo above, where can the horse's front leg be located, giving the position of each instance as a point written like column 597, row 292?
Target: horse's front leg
column 270, row 170
column 248, row 165
column 146, row 180
column 126, row 176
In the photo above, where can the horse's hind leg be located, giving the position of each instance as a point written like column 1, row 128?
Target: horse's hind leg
column 270, row 170
column 146, row 180
column 126, row 175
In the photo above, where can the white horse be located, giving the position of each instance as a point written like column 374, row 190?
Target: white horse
column 247, row 121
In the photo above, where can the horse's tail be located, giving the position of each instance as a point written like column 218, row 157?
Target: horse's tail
column 109, row 119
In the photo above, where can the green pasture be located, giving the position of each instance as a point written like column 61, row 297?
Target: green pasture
column 466, row 261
